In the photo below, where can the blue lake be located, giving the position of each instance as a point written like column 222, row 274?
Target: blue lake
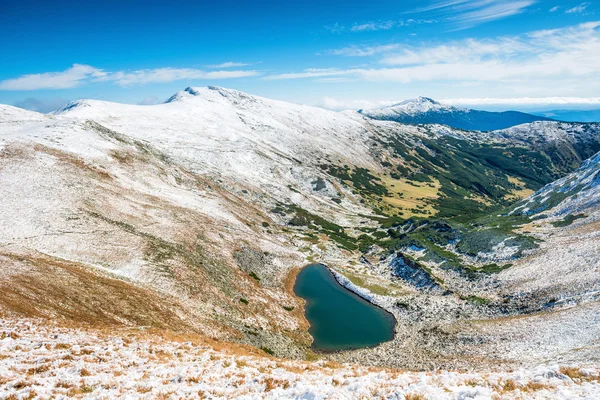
column 339, row 319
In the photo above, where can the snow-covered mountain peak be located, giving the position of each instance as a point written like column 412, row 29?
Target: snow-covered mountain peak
column 424, row 110
column 419, row 101
column 77, row 105
column 208, row 93
column 419, row 105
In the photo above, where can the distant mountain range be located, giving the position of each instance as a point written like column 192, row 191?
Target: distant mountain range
column 424, row 110
column 571, row 115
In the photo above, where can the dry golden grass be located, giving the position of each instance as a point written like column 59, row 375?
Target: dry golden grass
column 509, row 386
column 571, row 372
column 521, row 192
column 273, row 383
column 414, row 396
column 408, row 196
column 143, row 389
column 38, row 370
column 536, row 386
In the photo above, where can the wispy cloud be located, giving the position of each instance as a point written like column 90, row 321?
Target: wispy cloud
column 364, row 51
column 229, row 64
column 469, row 13
column 310, row 73
column 163, row 75
column 578, row 9
column 331, row 103
column 546, row 58
column 377, row 25
column 374, row 26
column 554, row 9
column 70, row 78
column 526, row 101
column 464, row 50
column 80, row 74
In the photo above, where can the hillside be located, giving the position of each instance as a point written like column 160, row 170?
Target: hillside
column 55, row 361
column 424, row 110
column 196, row 214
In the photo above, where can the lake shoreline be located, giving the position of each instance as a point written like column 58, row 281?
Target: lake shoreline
column 345, row 285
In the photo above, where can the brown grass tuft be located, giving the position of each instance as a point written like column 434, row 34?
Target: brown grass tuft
column 272, row 383
column 414, row 396
column 38, row 370
column 509, row 385
column 571, row 372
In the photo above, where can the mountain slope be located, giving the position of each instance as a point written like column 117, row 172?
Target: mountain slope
column 214, row 199
column 423, row 110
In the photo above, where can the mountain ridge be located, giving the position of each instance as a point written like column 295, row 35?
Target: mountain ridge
column 216, row 200
column 424, row 110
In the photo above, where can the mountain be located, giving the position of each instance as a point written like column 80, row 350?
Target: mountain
column 424, row 110
column 575, row 194
column 195, row 215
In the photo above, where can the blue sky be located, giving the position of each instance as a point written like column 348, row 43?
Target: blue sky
column 336, row 54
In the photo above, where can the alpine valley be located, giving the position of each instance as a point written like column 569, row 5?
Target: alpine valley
column 166, row 239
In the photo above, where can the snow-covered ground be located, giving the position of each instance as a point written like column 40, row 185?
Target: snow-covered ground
column 43, row 360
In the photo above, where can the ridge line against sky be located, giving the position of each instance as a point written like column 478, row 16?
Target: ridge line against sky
column 357, row 56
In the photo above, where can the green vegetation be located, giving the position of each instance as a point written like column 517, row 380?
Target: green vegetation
column 268, row 351
column 458, row 192
column 568, row 220
column 493, row 268
column 253, row 275
column 360, row 178
column 319, row 224
column 243, row 300
column 474, row 177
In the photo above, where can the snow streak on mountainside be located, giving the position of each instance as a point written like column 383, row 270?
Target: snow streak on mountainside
column 575, row 193
column 424, row 110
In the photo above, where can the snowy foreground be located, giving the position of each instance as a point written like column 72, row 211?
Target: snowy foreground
column 42, row 360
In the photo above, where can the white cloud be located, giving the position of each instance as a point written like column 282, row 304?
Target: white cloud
column 357, row 51
column 537, row 60
column 526, row 101
column 162, row 75
column 577, row 9
column 377, row 25
column 70, row 78
column 310, row 73
column 469, row 49
column 79, row 74
column 331, row 103
column 554, row 9
column 373, row 26
column 469, row 13
column 486, row 11
column 229, row 64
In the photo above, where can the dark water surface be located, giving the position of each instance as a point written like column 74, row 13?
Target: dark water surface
column 339, row 319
